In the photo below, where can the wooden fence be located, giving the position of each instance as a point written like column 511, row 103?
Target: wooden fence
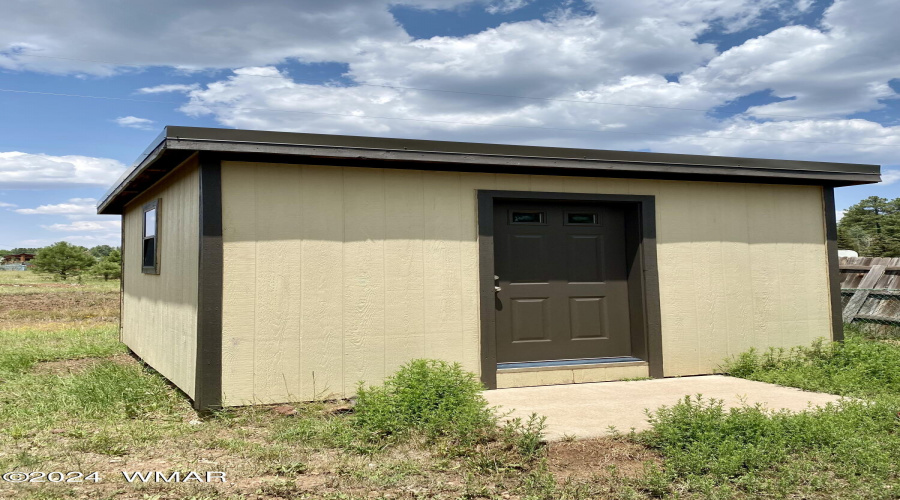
column 870, row 289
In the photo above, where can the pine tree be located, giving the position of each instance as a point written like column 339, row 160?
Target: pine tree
column 109, row 267
column 100, row 251
column 62, row 260
column 871, row 228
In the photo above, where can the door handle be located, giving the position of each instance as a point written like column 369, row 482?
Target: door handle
column 497, row 284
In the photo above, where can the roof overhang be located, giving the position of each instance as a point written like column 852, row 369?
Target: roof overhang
column 176, row 144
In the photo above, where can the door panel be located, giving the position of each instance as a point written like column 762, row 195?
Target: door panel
column 530, row 320
column 588, row 317
column 584, row 258
column 562, row 275
column 527, row 255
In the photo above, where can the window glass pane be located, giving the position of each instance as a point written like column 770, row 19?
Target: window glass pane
column 577, row 218
column 149, row 252
column 528, row 217
column 150, row 223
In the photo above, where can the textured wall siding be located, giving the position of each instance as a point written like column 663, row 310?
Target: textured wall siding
column 159, row 315
column 335, row 275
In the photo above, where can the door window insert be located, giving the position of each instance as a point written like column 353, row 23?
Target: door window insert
column 527, row 217
column 582, row 218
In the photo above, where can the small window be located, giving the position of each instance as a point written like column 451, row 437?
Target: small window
column 581, row 218
column 150, row 246
column 527, row 218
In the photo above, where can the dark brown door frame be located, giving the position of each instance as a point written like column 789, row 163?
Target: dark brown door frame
column 643, row 275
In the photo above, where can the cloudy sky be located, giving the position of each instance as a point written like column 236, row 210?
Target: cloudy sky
column 85, row 86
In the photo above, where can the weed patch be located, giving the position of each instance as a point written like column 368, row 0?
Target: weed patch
column 756, row 450
column 436, row 398
column 856, row 367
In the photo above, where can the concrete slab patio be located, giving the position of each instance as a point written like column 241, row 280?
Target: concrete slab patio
column 588, row 410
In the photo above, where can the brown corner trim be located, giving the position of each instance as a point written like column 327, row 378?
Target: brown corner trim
column 834, row 267
column 208, row 382
column 647, row 271
column 122, row 278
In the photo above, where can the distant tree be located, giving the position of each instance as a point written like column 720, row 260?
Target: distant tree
column 21, row 250
column 100, row 251
column 871, row 228
column 109, row 267
column 62, row 260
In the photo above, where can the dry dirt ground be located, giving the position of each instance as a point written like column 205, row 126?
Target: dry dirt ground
column 69, row 307
column 584, row 459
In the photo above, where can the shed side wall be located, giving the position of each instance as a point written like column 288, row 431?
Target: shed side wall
column 159, row 312
column 335, row 275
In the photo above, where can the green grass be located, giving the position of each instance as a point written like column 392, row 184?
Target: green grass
column 101, row 405
column 106, row 391
column 106, row 408
column 854, row 442
column 847, row 449
column 27, row 279
column 856, row 367
column 21, row 348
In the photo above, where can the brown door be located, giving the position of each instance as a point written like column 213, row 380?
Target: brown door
column 562, row 283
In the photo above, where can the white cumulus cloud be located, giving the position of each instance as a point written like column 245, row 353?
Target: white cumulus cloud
column 176, row 87
column 191, row 35
column 27, row 170
column 75, row 206
column 89, row 240
column 890, row 176
column 86, row 226
column 506, row 6
column 135, row 122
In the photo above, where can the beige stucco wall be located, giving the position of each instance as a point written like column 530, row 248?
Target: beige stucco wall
column 159, row 312
column 335, row 275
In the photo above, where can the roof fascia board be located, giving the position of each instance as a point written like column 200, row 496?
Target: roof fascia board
column 150, row 155
column 556, row 161
column 428, row 146
column 516, row 161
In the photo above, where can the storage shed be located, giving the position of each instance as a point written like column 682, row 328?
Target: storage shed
column 264, row 267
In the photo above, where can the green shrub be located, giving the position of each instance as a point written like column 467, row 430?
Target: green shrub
column 855, row 367
column 702, row 441
column 847, row 448
column 436, row 398
column 525, row 437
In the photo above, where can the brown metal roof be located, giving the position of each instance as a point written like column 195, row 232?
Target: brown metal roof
column 176, row 144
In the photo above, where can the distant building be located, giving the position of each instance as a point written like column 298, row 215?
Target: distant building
column 847, row 253
column 19, row 258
